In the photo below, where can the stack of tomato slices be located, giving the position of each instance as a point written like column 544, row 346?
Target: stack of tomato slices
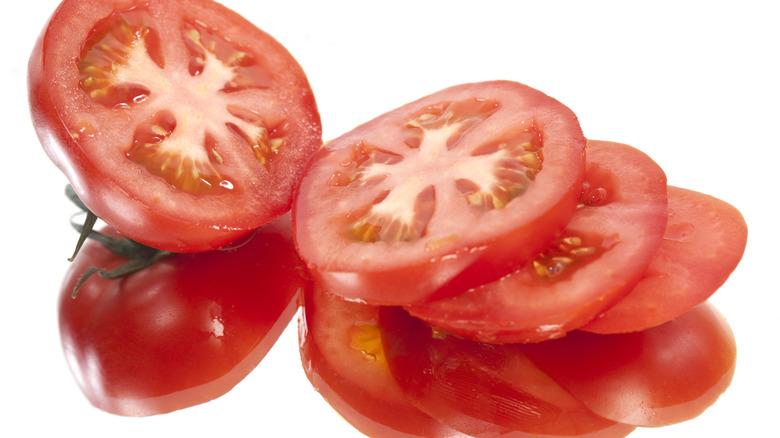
column 472, row 265
column 423, row 322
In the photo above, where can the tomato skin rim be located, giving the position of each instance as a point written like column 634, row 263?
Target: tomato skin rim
column 445, row 273
column 135, row 218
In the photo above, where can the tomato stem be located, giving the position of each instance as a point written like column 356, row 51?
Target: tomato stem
column 139, row 255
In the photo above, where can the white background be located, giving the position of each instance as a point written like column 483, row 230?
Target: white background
column 693, row 84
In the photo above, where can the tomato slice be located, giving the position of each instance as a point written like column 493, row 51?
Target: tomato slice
column 343, row 356
column 483, row 389
column 442, row 194
column 660, row 376
column 597, row 259
column 181, row 332
column 180, row 124
column 704, row 242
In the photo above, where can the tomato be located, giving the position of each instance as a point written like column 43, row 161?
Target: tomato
column 343, row 357
column 597, row 259
column 660, row 376
column 483, row 389
column 704, row 241
column 180, row 124
column 441, row 194
column 182, row 331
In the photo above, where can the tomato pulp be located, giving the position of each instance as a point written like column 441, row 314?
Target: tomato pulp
column 441, row 194
column 180, row 124
column 703, row 243
column 598, row 258
column 182, row 331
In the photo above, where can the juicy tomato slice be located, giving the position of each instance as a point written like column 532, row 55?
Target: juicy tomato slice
column 343, row 357
column 183, row 331
column 704, row 242
column 483, row 389
column 660, row 376
column 180, row 124
column 450, row 190
column 597, row 259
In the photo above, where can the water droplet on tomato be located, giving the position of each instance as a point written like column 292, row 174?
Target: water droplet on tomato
column 596, row 196
column 225, row 184
column 679, row 232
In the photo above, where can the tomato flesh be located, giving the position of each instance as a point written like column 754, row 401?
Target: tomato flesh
column 343, row 357
column 703, row 244
column 441, row 194
column 597, row 259
column 663, row 375
column 181, row 125
column 181, row 332
column 482, row 389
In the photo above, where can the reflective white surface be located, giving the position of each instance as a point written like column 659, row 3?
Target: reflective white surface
column 693, row 84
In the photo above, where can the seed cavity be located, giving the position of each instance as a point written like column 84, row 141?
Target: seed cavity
column 366, row 338
column 562, row 256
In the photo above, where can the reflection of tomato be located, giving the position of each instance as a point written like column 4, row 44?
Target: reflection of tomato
column 341, row 348
column 183, row 331
column 180, row 124
column 595, row 262
column 449, row 191
column 663, row 375
column 704, row 241
column 483, row 389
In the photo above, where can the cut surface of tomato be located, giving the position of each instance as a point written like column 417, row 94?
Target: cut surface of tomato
column 703, row 244
column 441, row 194
column 597, row 259
column 660, row 376
column 343, row 357
column 483, row 389
column 180, row 124
column 183, row 331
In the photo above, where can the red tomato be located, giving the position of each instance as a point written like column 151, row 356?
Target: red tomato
column 704, row 241
column 597, row 259
column 480, row 389
column 664, row 375
column 180, row 124
column 183, row 331
column 451, row 190
column 342, row 353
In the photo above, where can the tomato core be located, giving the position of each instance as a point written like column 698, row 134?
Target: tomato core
column 121, row 67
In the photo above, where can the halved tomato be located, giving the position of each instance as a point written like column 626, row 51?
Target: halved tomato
column 180, row 124
column 483, row 390
column 660, row 376
column 343, row 357
column 180, row 332
column 442, row 194
column 704, row 241
column 597, row 259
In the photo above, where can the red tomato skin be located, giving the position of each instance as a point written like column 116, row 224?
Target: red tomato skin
column 523, row 307
column 183, row 331
column 483, row 390
column 396, row 274
column 359, row 388
column 704, row 242
column 660, row 376
column 127, row 208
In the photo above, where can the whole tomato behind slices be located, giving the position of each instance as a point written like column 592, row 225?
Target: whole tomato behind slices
column 180, row 332
column 179, row 123
column 703, row 244
column 441, row 194
column 343, row 357
column 596, row 261
column 484, row 390
column 660, row 376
